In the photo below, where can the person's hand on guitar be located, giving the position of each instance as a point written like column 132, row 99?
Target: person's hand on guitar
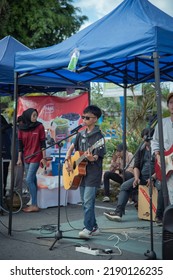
column 68, row 165
column 74, row 167
column 89, row 156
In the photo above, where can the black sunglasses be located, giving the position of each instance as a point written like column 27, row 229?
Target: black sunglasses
column 87, row 118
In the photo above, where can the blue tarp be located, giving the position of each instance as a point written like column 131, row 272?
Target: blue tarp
column 8, row 47
column 117, row 48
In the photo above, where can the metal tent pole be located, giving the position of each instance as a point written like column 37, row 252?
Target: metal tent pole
column 160, row 127
column 13, row 152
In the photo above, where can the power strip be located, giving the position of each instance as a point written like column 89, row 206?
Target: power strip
column 87, row 251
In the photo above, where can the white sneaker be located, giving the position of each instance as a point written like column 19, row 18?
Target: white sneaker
column 130, row 202
column 85, row 233
column 113, row 216
column 106, row 199
column 29, row 202
column 95, row 231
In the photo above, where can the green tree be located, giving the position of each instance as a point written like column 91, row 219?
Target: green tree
column 4, row 12
column 40, row 23
column 109, row 105
column 139, row 108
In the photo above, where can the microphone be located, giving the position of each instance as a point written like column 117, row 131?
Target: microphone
column 77, row 128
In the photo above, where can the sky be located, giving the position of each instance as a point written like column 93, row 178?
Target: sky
column 96, row 9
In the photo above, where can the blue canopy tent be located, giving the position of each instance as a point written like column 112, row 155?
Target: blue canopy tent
column 130, row 45
column 8, row 47
column 117, row 48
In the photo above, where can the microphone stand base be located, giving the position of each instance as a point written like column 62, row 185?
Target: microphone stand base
column 151, row 255
column 58, row 236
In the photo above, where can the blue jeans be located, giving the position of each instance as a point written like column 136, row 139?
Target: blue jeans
column 160, row 200
column 31, row 179
column 115, row 177
column 88, row 195
column 125, row 191
column 127, row 188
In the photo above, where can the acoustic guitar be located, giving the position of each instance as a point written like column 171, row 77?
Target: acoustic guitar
column 73, row 178
column 168, row 163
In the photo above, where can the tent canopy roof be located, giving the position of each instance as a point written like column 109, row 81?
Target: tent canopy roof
column 8, row 47
column 117, row 48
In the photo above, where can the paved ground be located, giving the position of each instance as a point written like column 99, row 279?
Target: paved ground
column 34, row 234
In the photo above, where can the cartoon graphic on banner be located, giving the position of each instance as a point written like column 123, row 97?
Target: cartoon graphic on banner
column 58, row 115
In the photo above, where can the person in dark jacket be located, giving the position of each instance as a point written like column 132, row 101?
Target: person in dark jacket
column 91, row 181
column 143, row 165
column 6, row 133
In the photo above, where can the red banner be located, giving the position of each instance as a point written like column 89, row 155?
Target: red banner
column 58, row 115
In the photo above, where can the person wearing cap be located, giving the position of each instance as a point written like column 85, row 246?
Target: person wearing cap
column 167, row 142
column 116, row 170
column 143, row 165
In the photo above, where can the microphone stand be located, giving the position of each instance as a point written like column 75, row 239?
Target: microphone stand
column 1, row 168
column 140, row 147
column 150, row 254
column 59, row 234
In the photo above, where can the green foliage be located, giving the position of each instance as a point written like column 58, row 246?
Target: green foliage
column 139, row 108
column 7, row 105
column 109, row 105
column 4, row 11
column 133, row 140
column 40, row 23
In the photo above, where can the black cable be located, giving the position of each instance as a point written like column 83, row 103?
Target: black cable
column 20, row 207
column 67, row 219
column 22, row 230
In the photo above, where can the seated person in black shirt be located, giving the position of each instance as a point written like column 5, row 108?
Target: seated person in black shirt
column 142, row 167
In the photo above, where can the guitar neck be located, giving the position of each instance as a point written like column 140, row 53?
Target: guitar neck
column 82, row 157
column 79, row 160
column 98, row 144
